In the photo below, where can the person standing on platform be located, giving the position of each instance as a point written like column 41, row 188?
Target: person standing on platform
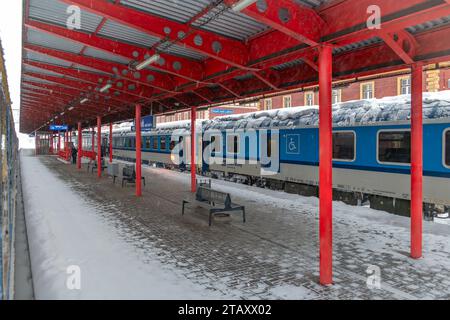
column 74, row 154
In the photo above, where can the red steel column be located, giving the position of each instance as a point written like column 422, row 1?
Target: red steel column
column 416, row 161
column 59, row 141
column 193, row 167
column 93, row 139
column 80, row 146
column 99, row 146
column 326, row 166
column 36, row 144
column 110, row 143
column 51, row 144
column 138, row 152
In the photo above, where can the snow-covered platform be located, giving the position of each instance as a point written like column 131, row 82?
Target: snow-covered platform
column 128, row 247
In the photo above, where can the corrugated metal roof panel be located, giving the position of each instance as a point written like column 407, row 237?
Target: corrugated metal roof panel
column 28, row 78
column 55, row 12
column 83, row 68
column 228, row 23
column 45, row 59
column 50, row 41
column 312, row 3
column 121, row 32
column 357, row 45
column 180, row 11
column 288, row 65
column 91, row 52
column 244, row 77
column 39, row 70
column 429, row 25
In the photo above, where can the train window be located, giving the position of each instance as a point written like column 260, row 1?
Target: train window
column 394, row 146
column 147, row 143
column 155, row 143
column 447, row 148
column 163, row 144
column 172, row 145
column 269, row 145
column 233, row 144
column 215, row 141
column 344, row 145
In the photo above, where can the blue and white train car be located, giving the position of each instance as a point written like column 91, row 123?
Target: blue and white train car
column 371, row 150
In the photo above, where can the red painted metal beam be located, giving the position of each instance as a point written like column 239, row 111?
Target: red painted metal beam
column 402, row 43
column 289, row 17
column 144, row 77
column 231, row 52
column 124, row 98
column 190, row 70
column 346, row 22
column 125, row 86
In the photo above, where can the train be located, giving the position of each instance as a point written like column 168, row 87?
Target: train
column 371, row 151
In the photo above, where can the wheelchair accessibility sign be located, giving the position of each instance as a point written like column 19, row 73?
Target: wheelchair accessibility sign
column 293, row 144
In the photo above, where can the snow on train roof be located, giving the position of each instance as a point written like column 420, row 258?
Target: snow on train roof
column 398, row 108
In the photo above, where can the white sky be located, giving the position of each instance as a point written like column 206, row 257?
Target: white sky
column 11, row 35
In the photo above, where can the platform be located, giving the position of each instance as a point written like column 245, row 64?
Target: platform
column 273, row 256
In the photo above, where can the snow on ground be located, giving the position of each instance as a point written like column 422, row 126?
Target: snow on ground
column 64, row 230
column 436, row 236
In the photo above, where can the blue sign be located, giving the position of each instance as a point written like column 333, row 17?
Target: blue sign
column 222, row 111
column 293, row 144
column 147, row 124
column 59, row 127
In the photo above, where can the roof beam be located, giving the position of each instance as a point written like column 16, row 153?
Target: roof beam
column 188, row 69
column 156, row 80
column 346, row 22
column 98, row 80
column 402, row 43
column 288, row 17
column 226, row 50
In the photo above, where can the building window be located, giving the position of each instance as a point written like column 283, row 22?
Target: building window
column 268, row 104
column 447, row 148
column 394, row 147
column 344, row 145
column 367, row 90
column 404, row 85
column 337, row 96
column 287, row 101
column 309, row 99
column 233, row 144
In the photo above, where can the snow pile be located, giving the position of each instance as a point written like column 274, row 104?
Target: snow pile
column 64, row 231
column 398, row 108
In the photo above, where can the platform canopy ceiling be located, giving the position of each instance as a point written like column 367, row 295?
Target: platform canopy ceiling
column 89, row 58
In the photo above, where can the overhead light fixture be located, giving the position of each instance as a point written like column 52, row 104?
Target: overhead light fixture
column 241, row 5
column 84, row 100
column 148, row 62
column 106, row 88
column 62, row 113
column 71, row 108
